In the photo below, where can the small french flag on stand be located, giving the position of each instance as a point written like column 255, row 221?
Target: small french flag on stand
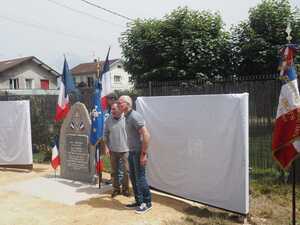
column 99, row 161
column 55, row 160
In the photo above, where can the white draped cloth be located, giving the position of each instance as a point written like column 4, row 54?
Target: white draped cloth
column 15, row 133
column 199, row 147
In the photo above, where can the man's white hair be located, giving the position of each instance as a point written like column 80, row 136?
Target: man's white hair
column 127, row 99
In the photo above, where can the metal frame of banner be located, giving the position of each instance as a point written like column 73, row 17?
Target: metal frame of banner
column 244, row 215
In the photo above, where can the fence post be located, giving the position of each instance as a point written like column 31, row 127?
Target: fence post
column 150, row 88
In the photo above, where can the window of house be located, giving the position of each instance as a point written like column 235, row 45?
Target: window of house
column 90, row 81
column 28, row 83
column 14, row 83
column 81, row 78
column 119, row 66
column 117, row 78
column 45, row 84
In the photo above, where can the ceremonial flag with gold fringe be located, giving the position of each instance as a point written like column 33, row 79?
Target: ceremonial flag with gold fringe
column 286, row 134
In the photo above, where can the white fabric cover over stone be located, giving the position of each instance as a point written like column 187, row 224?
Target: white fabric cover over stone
column 15, row 133
column 199, row 147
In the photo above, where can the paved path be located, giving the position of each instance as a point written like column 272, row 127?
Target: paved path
column 57, row 189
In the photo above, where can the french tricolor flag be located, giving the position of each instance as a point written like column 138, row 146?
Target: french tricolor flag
column 286, row 134
column 55, row 159
column 106, row 82
column 99, row 161
column 66, row 86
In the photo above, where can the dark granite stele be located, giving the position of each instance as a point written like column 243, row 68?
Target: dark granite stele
column 76, row 154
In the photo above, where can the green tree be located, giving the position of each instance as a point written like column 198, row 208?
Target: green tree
column 258, row 39
column 185, row 44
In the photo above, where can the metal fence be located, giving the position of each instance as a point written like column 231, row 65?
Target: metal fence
column 263, row 101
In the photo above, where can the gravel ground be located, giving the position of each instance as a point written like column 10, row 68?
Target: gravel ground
column 21, row 208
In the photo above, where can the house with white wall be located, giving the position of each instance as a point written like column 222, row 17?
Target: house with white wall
column 85, row 74
column 27, row 75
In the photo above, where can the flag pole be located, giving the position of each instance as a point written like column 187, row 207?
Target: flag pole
column 99, row 143
column 99, row 171
column 289, row 38
column 294, row 193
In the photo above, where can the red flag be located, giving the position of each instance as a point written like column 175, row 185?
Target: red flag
column 99, row 166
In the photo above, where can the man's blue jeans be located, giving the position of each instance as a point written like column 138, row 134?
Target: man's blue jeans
column 138, row 178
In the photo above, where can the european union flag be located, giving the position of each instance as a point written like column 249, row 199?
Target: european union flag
column 97, row 117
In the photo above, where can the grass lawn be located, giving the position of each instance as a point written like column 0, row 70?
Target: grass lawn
column 270, row 204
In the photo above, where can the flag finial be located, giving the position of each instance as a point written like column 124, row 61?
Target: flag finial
column 288, row 31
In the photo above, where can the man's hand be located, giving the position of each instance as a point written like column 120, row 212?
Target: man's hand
column 94, row 113
column 143, row 159
column 106, row 150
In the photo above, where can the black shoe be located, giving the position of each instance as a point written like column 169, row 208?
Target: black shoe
column 108, row 182
column 115, row 193
column 126, row 193
column 132, row 206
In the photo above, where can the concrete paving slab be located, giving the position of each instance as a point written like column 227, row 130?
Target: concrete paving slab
column 57, row 189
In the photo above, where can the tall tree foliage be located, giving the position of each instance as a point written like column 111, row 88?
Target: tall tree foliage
column 258, row 39
column 184, row 44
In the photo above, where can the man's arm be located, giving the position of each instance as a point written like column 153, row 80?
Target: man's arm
column 145, row 135
column 145, row 138
column 105, row 138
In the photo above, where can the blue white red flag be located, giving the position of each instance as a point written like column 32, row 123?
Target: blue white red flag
column 66, row 86
column 105, row 81
column 286, row 134
column 99, row 161
column 55, row 159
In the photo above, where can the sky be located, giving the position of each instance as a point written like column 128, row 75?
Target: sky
column 52, row 29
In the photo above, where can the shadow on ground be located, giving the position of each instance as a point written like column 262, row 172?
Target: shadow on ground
column 104, row 201
column 211, row 212
column 169, row 201
column 81, row 187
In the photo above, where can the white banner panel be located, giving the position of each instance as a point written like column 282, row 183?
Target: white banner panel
column 15, row 133
column 199, row 147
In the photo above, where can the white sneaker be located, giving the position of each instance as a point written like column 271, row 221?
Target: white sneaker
column 143, row 208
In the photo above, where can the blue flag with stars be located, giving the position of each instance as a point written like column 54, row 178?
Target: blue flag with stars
column 97, row 117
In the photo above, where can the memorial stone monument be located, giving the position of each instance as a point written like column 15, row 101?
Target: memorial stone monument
column 77, row 155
